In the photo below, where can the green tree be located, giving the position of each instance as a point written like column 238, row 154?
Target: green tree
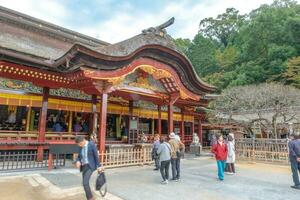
column 292, row 74
column 223, row 28
column 183, row 44
column 267, row 37
column 227, row 58
column 233, row 49
column 202, row 54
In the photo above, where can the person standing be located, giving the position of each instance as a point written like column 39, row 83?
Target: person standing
column 230, row 155
column 219, row 149
column 164, row 152
column 294, row 155
column 57, row 127
column 87, row 162
column 155, row 156
column 175, row 157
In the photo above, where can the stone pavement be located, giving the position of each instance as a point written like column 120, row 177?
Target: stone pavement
column 199, row 181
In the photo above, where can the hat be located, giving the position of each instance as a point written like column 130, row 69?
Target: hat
column 172, row 135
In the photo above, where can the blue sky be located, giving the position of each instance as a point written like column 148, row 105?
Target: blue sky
column 116, row 20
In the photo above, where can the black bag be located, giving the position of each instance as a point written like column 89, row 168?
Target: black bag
column 179, row 154
column 154, row 154
column 101, row 184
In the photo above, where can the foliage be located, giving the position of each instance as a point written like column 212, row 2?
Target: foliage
column 202, row 55
column 234, row 49
column 292, row 74
column 183, row 44
column 223, row 28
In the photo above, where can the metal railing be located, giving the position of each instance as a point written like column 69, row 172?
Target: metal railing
column 23, row 160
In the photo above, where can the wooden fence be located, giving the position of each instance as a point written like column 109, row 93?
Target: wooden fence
column 123, row 157
column 263, row 150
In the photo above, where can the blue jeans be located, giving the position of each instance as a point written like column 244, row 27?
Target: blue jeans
column 175, row 162
column 221, row 167
column 295, row 168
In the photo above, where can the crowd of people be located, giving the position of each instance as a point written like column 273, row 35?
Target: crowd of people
column 166, row 152
column 169, row 151
column 224, row 153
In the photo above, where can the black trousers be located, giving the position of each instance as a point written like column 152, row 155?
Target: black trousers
column 156, row 163
column 164, row 169
column 175, row 162
column 295, row 166
column 230, row 167
column 86, row 175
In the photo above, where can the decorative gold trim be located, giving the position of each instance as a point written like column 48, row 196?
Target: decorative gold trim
column 183, row 95
column 142, row 83
column 116, row 80
column 156, row 73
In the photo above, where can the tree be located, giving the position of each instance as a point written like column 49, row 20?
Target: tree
column 202, row 55
column 266, row 38
column 227, row 58
column 266, row 104
column 223, row 28
column 233, row 49
column 292, row 74
column 183, row 44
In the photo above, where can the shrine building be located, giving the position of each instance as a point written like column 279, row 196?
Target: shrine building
column 56, row 83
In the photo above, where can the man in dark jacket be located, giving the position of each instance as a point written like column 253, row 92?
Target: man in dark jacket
column 87, row 162
column 294, row 154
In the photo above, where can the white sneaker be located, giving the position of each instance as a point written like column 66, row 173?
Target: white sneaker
column 164, row 182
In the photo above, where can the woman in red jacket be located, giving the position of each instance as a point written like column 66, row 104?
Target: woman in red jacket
column 219, row 149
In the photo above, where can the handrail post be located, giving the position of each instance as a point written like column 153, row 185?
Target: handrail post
column 50, row 162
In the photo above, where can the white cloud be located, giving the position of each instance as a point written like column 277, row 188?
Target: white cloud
column 51, row 11
column 125, row 21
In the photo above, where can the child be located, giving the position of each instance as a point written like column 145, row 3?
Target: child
column 219, row 149
column 231, row 155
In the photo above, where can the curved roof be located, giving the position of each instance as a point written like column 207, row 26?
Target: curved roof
column 39, row 44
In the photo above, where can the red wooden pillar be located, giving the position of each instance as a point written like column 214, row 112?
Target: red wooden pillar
column 170, row 118
column 94, row 114
column 200, row 131
column 159, row 120
column 42, row 124
column 182, row 131
column 102, row 123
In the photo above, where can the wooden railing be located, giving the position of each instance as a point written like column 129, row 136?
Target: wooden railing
column 265, row 150
column 188, row 138
column 18, row 135
column 32, row 136
column 126, row 157
column 62, row 136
